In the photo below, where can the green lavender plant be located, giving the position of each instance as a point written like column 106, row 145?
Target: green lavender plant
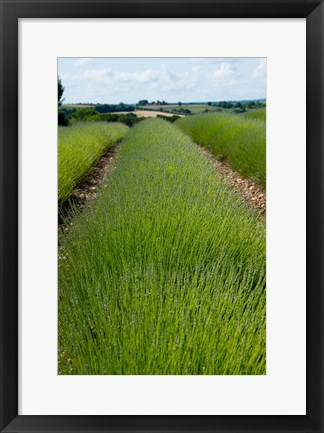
column 164, row 272
column 79, row 148
column 240, row 139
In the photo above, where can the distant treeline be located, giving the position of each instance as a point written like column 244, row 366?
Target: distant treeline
column 68, row 116
column 238, row 105
column 113, row 108
column 176, row 110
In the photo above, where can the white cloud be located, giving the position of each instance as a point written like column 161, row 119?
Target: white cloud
column 83, row 61
column 147, row 76
column 224, row 70
column 69, row 80
column 99, row 75
column 163, row 77
column 261, row 70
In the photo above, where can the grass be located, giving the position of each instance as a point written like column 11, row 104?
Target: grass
column 256, row 114
column 194, row 108
column 240, row 139
column 164, row 272
column 79, row 148
column 77, row 105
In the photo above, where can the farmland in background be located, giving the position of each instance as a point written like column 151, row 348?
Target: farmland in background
column 182, row 109
column 176, row 109
column 211, row 107
column 164, row 271
column 76, row 106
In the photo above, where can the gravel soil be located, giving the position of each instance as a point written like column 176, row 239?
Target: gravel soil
column 253, row 193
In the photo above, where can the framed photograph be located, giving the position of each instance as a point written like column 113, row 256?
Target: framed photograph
column 161, row 216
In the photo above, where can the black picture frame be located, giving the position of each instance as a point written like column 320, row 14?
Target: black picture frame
column 11, row 11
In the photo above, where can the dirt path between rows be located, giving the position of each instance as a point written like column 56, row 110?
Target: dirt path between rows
column 251, row 192
column 150, row 113
column 105, row 165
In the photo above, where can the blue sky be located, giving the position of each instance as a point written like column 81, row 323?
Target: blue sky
column 114, row 80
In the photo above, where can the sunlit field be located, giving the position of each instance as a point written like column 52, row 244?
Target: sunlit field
column 240, row 139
